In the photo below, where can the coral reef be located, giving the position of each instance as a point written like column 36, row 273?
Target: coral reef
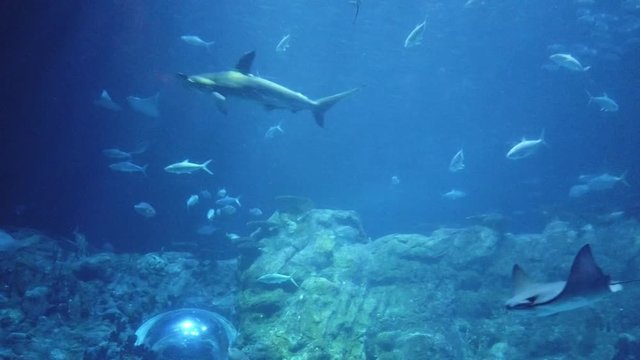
column 310, row 284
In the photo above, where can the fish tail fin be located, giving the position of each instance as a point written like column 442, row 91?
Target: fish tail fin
column 542, row 138
column 324, row 104
column 293, row 280
column 209, row 45
column 238, row 200
column 586, row 68
column 144, row 169
column 590, row 96
column 205, row 168
column 623, row 178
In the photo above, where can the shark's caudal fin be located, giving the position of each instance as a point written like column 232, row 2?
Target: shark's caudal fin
column 324, row 104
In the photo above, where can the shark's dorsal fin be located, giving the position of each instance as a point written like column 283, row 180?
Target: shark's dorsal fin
column 244, row 64
column 520, row 279
column 585, row 276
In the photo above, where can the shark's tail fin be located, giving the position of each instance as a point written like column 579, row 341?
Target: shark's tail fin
column 324, row 104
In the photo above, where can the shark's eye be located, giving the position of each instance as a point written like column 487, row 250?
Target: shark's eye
column 532, row 299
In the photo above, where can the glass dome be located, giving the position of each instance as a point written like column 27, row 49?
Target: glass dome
column 193, row 334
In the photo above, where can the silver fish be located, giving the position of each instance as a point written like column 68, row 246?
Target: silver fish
column 145, row 209
column 128, row 166
column 276, row 278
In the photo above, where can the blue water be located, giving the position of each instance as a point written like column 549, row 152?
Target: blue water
column 476, row 82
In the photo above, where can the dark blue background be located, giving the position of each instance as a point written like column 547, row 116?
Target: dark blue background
column 476, row 82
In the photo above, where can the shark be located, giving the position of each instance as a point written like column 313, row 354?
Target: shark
column 239, row 82
column 585, row 285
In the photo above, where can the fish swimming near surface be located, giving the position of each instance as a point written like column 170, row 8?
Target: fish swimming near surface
column 525, row 148
column 276, row 278
column 606, row 103
column 585, row 285
column 457, row 162
column 146, row 106
column 567, row 61
column 104, row 101
column 416, row 35
column 197, row 41
column 284, row 43
column 187, row 167
column 240, row 83
column 128, row 166
column 145, row 209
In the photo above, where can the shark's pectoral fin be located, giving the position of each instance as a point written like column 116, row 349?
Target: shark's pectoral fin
column 221, row 102
column 244, row 64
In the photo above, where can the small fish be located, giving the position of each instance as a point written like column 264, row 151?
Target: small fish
column 276, row 278
column 228, row 200
column 525, row 148
column 211, row 214
column 569, row 62
column 605, row 102
column 128, row 166
column 116, row 154
column 186, row 167
column 457, row 162
column 284, row 44
column 273, row 131
column 145, row 209
column 146, row 106
column 205, row 194
column 197, row 41
column 603, row 182
column 232, row 236
column 192, row 200
column 226, row 210
column 454, row 194
column 206, row 230
column 415, row 36
column 255, row 211
column 221, row 192
column 395, row 181
column 104, row 101
column 579, row 190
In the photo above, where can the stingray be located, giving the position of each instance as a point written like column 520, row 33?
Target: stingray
column 585, row 285
column 105, row 101
column 147, row 106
